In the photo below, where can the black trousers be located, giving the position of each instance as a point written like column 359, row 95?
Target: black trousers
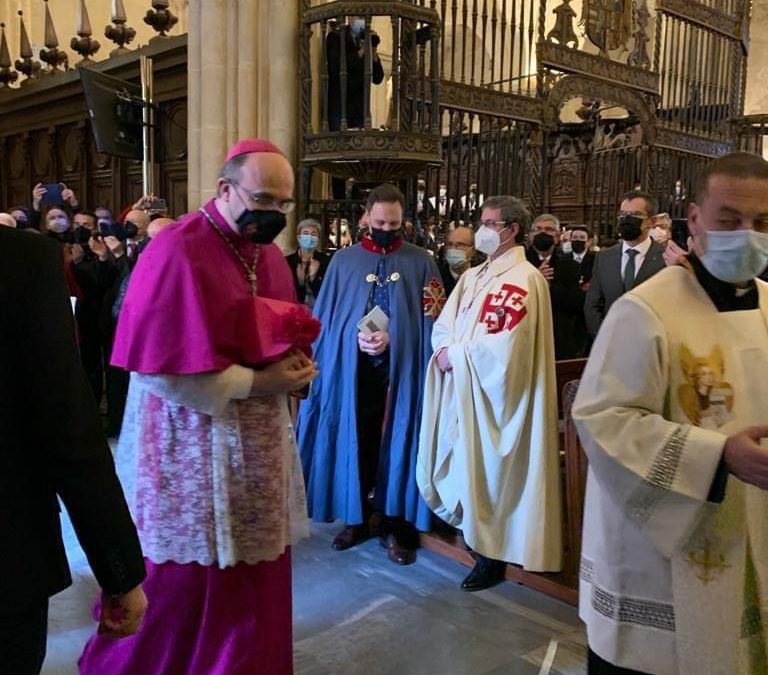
column 598, row 666
column 92, row 356
column 372, row 386
column 22, row 640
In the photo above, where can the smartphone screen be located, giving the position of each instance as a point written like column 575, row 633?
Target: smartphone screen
column 680, row 232
column 52, row 194
column 157, row 205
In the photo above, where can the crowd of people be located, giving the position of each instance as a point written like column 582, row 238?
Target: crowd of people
column 99, row 251
column 427, row 388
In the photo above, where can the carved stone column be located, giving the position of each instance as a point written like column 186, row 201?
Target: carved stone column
column 243, row 78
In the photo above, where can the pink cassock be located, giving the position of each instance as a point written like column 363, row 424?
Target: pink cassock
column 189, row 307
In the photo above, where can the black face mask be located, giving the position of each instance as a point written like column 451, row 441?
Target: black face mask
column 542, row 242
column 385, row 239
column 578, row 246
column 630, row 228
column 81, row 235
column 131, row 230
column 261, row 227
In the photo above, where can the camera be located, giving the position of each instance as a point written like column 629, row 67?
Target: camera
column 113, row 230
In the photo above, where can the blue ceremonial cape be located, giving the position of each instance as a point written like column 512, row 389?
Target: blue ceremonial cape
column 327, row 425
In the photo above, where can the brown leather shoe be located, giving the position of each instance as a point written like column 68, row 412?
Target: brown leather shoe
column 398, row 554
column 350, row 536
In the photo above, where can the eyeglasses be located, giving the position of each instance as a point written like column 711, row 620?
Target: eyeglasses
column 266, row 202
column 637, row 214
column 493, row 223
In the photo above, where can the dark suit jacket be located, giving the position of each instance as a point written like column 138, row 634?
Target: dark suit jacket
column 355, row 79
column 449, row 283
column 607, row 284
column 51, row 442
column 586, row 266
column 567, row 303
column 293, row 261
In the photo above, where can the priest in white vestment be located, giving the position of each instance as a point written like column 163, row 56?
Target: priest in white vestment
column 488, row 452
column 671, row 411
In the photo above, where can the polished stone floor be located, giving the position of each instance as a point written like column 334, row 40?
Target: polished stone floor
column 355, row 613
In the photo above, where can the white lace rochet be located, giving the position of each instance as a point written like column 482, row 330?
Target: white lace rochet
column 210, row 475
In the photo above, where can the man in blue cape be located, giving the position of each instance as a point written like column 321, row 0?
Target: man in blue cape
column 358, row 430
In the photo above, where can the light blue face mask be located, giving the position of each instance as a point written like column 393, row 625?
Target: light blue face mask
column 358, row 26
column 736, row 256
column 454, row 257
column 308, row 241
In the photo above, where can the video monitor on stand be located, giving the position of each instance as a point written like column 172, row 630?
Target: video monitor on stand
column 115, row 107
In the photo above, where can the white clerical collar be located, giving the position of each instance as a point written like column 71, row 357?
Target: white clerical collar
column 642, row 248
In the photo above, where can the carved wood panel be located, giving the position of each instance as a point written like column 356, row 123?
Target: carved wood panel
column 46, row 136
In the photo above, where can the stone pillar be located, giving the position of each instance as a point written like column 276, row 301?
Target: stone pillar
column 243, row 81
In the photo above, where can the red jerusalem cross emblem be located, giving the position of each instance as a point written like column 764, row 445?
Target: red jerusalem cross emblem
column 433, row 298
column 504, row 309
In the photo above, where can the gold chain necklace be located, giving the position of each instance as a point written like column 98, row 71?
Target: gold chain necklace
column 250, row 270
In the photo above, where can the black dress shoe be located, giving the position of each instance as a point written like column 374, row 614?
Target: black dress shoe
column 485, row 574
column 350, row 536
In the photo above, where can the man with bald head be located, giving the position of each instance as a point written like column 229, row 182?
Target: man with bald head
column 207, row 447
column 135, row 223
column 157, row 225
column 459, row 255
column 7, row 220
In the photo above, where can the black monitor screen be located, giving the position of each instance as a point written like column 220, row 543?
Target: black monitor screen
column 115, row 109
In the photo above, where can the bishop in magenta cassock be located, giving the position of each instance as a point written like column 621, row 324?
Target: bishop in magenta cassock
column 207, row 449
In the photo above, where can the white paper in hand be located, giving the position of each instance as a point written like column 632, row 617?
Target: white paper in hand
column 376, row 320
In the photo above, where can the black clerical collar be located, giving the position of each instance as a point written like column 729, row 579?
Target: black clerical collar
column 726, row 297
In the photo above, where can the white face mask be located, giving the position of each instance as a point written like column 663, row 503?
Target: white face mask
column 59, row 225
column 454, row 257
column 660, row 234
column 487, row 240
column 566, row 247
column 358, row 26
column 736, row 256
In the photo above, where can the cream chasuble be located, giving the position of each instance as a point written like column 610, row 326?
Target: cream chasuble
column 672, row 583
column 488, row 454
